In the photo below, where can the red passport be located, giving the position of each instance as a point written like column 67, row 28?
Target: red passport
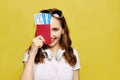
column 44, row 31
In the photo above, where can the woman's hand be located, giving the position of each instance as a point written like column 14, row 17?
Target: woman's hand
column 37, row 42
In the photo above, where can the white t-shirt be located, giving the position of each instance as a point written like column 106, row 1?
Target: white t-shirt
column 54, row 68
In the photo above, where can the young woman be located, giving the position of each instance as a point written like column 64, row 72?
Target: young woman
column 56, row 61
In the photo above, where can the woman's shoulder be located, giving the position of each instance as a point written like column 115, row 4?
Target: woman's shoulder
column 77, row 65
column 75, row 51
column 26, row 55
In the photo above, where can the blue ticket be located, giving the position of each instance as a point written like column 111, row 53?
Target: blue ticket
column 42, row 18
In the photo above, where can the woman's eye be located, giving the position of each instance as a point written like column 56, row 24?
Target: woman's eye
column 55, row 29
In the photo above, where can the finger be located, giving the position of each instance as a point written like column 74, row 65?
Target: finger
column 41, row 38
column 40, row 44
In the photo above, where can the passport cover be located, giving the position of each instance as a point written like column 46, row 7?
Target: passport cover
column 44, row 31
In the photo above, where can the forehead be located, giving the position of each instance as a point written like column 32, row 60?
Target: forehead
column 55, row 22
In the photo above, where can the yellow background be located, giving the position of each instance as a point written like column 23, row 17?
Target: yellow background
column 94, row 29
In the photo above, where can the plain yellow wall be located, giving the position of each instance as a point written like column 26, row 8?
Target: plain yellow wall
column 94, row 28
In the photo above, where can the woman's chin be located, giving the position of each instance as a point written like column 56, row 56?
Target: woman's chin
column 51, row 44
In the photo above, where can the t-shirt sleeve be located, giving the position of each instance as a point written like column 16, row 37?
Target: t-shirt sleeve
column 77, row 65
column 25, row 58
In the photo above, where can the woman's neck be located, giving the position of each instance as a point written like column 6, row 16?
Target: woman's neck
column 54, row 49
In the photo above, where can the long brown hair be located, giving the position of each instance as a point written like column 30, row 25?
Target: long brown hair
column 65, row 42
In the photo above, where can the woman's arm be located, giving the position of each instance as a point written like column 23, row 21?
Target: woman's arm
column 28, row 69
column 28, row 65
column 76, row 75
